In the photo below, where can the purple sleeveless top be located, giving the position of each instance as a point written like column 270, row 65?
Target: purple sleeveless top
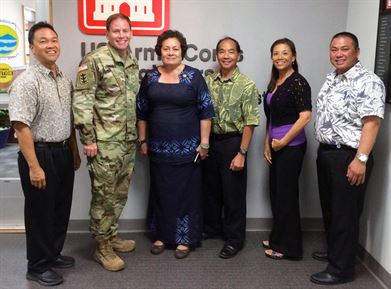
column 278, row 132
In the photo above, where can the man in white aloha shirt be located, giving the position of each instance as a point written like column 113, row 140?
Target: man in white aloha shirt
column 350, row 107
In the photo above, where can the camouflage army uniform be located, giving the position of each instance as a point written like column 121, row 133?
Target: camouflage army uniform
column 104, row 112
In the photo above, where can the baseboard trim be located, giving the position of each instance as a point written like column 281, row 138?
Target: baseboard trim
column 125, row 226
column 374, row 267
column 265, row 224
column 253, row 224
column 139, row 225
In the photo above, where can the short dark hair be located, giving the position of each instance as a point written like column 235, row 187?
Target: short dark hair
column 275, row 73
column 238, row 49
column 349, row 35
column 115, row 16
column 36, row 27
column 171, row 34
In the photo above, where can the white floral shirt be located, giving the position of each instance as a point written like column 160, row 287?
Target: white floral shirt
column 343, row 101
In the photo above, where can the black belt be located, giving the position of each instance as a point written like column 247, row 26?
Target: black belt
column 225, row 135
column 60, row 144
column 325, row 146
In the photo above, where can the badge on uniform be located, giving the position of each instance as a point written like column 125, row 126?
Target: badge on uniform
column 83, row 75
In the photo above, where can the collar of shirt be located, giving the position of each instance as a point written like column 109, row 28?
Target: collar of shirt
column 334, row 77
column 128, row 61
column 232, row 78
column 46, row 71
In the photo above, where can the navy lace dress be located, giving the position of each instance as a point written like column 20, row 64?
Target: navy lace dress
column 173, row 112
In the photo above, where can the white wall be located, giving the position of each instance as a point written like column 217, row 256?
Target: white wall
column 256, row 24
column 376, row 219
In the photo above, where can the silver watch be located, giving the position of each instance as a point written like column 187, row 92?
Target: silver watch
column 243, row 152
column 362, row 158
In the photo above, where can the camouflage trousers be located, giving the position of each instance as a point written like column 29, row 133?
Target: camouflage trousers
column 110, row 173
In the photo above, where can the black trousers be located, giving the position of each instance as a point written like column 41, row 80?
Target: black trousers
column 285, row 169
column 342, row 205
column 224, row 191
column 46, row 212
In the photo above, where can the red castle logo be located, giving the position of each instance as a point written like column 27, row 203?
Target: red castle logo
column 149, row 17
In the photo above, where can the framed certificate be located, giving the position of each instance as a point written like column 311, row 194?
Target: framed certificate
column 383, row 47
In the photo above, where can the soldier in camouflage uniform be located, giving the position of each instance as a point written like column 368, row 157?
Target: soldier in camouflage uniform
column 104, row 112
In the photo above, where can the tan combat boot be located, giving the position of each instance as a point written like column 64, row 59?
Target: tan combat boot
column 121, row 245
column 105, row 256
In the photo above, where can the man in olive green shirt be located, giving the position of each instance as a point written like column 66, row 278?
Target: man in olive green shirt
column 235, row 99
column 104, row 108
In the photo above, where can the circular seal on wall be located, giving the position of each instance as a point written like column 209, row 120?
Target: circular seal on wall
column 9, row 40
column 6, row 73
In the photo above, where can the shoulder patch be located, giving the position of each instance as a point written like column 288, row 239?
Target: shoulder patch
column 83, row 78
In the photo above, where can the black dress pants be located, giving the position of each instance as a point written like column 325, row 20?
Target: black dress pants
column 224, row 191
column 285, row 169
column 46, row 212
column 342, row 205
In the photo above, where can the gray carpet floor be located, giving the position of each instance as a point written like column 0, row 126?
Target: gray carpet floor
column 202, row 269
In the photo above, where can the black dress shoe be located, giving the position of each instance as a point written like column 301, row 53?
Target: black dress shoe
column 47, row 278
column 320, row 256
column 229, row 251
column 325, row 278
column 63, row 262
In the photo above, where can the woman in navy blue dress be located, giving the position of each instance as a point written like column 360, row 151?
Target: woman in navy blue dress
column 174, row 112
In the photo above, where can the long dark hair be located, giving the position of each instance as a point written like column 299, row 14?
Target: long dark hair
column 274, row 75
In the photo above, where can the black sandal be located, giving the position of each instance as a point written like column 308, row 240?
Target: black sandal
column 157, row 249
column 182, row 253
column 279, row 256
column 266, row 244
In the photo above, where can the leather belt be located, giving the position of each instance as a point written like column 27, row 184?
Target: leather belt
column 60, row 144
column 225, row 135
column 325, row 146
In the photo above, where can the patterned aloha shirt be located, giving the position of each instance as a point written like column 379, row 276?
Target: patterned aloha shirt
column 43, row 102
column 343, row 101
column 235, row 101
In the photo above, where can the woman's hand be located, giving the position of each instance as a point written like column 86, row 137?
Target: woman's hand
column 267, row 153
column 203, row 152
column 143, row 149
column 278, row 144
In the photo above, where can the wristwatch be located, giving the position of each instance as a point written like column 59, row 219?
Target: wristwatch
column 362, row 157
column 243, row 152
column 141, row 141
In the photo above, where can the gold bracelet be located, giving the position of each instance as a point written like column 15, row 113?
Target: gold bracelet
column 204, row 147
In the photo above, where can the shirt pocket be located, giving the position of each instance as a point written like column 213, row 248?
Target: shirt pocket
column 109, row 82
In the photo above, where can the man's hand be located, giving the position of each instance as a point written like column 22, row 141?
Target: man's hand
column 90, row 150
column 237, row 164
column 356, row 172
column 38, row 178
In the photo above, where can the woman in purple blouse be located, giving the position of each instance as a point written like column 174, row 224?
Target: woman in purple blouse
column 287, row 106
